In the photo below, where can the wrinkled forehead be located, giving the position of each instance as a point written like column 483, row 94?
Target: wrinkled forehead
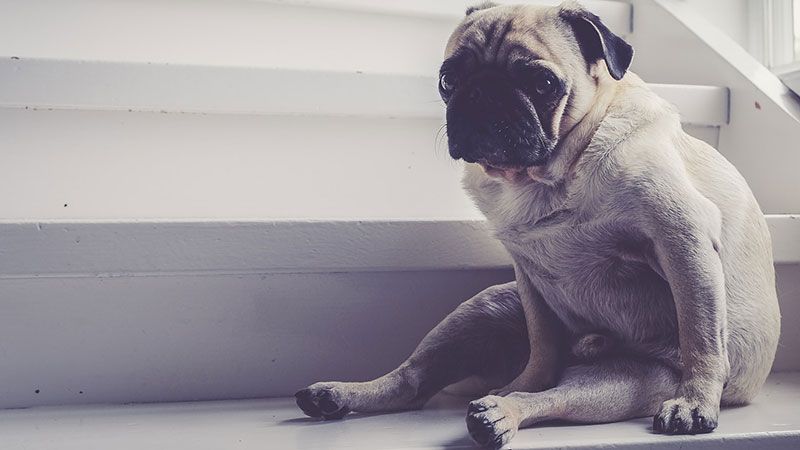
column 503, row 34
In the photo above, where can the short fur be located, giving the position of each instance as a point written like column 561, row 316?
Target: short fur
column 644, row 278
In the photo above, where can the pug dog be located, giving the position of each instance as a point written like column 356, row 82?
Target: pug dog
column 643, row 265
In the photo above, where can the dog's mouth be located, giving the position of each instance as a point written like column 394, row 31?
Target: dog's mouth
column 512, row 173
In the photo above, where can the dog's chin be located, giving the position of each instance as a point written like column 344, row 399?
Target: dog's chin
column 512, row 174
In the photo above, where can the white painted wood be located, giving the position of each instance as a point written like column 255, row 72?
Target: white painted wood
column 785, row 231
column 213, row 89
column 192, row 336
column 790, row 75
column 788, row 284
column 220, row 32
column 341, row 35
column 704, row 133
column 60, row 84
column 119, row 165
column 615, row 14
column 771, row 422
column 698, row 105
column 169, row 337
column 230, row 175
column 112, row 249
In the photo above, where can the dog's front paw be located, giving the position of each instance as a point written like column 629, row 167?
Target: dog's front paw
column 684, row 416
column 322, row 400
column 492, row 421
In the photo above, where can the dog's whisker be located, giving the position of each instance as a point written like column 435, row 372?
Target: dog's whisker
column 441, row 136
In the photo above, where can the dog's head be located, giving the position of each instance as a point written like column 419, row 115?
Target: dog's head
column 517, row 78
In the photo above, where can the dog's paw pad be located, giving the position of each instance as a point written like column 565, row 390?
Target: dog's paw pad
column 490, row 423
column 321, row 400
column 683, row 416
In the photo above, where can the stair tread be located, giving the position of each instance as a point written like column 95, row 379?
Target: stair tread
column 772, row 420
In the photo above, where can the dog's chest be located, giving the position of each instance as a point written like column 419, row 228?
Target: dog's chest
column 567, row 248
column 591, row 265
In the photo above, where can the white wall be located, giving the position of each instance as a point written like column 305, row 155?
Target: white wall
column 730, row 16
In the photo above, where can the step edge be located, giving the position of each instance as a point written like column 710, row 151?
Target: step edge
column 145, row 248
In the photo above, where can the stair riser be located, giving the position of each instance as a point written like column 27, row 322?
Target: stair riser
column 118, row 165
column 243, row 33
column 175, row 338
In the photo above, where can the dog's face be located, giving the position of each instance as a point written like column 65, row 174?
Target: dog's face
column 517, row 78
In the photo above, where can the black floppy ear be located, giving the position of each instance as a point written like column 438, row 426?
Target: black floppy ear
column 597, row 41
column 480, row 6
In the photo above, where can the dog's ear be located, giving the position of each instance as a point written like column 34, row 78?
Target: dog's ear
column 597, row 41
column 480, row 6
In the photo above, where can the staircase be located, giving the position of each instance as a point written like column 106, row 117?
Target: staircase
column 223, row 200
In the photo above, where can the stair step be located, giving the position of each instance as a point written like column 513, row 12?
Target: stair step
column 339, row 35
column 71, row 84
column 772, row 421
column 120, row 248
column 165, row 336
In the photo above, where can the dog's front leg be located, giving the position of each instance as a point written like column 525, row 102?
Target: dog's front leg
column 687, row 251
column 544, row 362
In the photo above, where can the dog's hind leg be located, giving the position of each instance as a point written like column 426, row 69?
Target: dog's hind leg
column 608, row 390
column 485, row 336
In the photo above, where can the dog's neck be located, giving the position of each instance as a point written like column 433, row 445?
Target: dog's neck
column 575, row 141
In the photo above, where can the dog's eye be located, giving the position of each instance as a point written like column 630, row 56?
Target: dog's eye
column 544, row 83
column 447, row 83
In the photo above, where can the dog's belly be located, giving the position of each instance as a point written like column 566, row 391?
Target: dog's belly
column 597, row 279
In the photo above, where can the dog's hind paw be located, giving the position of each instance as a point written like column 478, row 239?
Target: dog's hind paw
column 321, row 400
